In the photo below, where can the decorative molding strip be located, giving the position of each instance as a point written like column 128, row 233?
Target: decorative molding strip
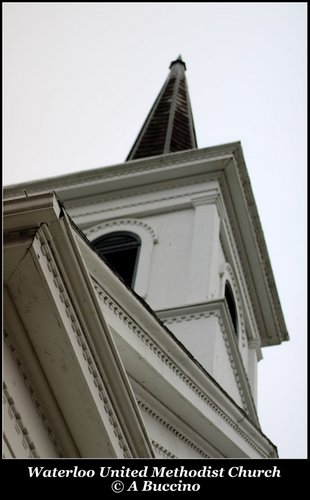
column 232, row 363
column 209, row 197
column 147, row 237
column 185, row 317
column 134, row 167
column 144, row 337
column 21, row 430
column 172, row 429
column 122, row 222
column 205, row 314
column 208, row 314
column 167, row 186
column 227, row 274
column 33, row 396
column 230, row 233
column 82, row 343
column 259, row 237
column 141, row 203
column 163, row 452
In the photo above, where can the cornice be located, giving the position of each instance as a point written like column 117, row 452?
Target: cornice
column 210, row 196
column 258, row 235
column 216, row 308
column 207, row 314
column 24, row 213
column 162, row 451
column 134, row 191
column 172, row 196
column 172, row 429
column 60, row 289
column 170, row 363
column 19, row 426
column 255, row 220
column 33, row 395
column 131, row 168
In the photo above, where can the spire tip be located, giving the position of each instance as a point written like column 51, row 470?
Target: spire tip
column 179, row 60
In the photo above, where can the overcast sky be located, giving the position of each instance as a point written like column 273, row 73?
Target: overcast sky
column 79, row 80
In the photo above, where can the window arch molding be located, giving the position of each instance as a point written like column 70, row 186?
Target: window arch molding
column 228, row 282
column 148, row 238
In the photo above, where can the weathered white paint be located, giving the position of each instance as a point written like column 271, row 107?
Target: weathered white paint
column 196, row 216
column 24, row 432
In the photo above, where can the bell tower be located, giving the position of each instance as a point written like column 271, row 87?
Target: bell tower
column 203, row 266
column 138, row 300
column 180, row 226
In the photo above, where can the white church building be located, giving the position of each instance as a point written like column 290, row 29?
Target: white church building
column 137, row 301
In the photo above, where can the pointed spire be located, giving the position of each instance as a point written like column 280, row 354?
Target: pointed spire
column 179, row 60
column 169, row 126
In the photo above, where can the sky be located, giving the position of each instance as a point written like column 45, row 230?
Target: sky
column 80, row 78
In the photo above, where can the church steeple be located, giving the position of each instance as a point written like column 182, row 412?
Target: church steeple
column 169, row 126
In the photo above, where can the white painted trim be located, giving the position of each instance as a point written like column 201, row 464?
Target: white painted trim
column 227, row 276
column 239, row 200
column 148, row 239
column 34, row 378
column 28, row 385
column 204, row 250
column 219, row 309
column 175, row 361
column 193, row 387
column 167, row 425
column 21, row 433
column 104, row 350
column 183, row 431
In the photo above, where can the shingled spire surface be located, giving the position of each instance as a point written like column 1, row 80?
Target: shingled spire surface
column 169, row 126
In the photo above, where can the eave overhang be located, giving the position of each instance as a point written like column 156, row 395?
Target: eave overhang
column 42, row 268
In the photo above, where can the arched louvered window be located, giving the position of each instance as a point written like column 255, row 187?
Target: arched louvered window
column 231, row 306
column 121, row 251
